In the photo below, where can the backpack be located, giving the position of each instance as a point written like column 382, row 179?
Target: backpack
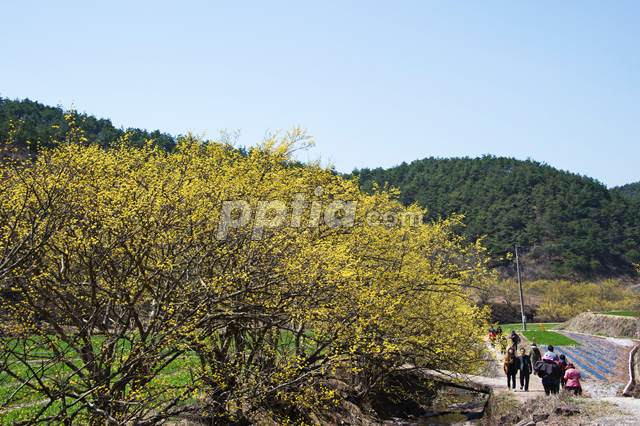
column 543, row 369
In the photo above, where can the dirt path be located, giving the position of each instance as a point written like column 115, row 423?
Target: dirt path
column 499, row 379
column 605, row 364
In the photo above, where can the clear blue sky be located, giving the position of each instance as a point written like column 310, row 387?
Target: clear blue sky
column 376, row 83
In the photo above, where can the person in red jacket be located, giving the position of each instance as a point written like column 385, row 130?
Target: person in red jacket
column 492, row 337
column 572, row 376
column 563, row 364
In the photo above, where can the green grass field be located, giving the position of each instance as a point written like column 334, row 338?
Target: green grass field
column 541, row 336
column 506, row 328
column 25, row 403
column 28, row 403
column 623, row 313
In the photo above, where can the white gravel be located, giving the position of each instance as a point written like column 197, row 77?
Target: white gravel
column 627, row 405
column 621, row 342
column 598, row 389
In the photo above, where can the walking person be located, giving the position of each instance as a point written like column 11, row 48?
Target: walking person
column 551, row 354
column 524, row 365
column 515, row 339
column 511, row 368
column 555, row 358
column 563, row 364
column 572, row 377
column 503, row 345
column 550, row 372
column 535, row 354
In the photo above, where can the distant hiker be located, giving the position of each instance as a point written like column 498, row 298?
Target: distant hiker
column 535, row 354
column 550, row 372
column 511, row 368
column 499, row 331
column 503, row 345
column 492, row 337
column 524, row 365
column 515, row 339
column 572, row 376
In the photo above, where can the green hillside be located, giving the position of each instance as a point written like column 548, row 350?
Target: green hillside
column 630, row 190
column 568, row 225
column 33, row 124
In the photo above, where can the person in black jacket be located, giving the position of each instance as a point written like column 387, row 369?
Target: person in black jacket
column 524, row 365
column 550, row 372
column 515, row 339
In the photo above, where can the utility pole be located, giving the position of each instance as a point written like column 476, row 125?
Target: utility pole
column 524, row 319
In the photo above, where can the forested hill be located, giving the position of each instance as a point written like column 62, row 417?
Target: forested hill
column 568, row 225
column 45, row 125
column 631, row 190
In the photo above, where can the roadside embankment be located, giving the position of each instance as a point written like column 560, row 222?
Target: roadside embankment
column 604, row 325
column 621, row 327
column 609, row 338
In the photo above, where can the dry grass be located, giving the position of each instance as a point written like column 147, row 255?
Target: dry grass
column 505, row 410
column 604, row 325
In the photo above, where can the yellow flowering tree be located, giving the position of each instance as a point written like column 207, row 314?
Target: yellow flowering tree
column 134, row 281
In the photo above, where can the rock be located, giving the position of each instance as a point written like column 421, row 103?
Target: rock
column 525, row 423
column 540, row 417
column 566, row 410
column 508, row 419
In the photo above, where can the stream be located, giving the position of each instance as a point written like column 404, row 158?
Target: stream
column 453, row 406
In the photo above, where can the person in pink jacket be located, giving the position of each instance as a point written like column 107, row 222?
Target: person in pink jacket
column 572, row 376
